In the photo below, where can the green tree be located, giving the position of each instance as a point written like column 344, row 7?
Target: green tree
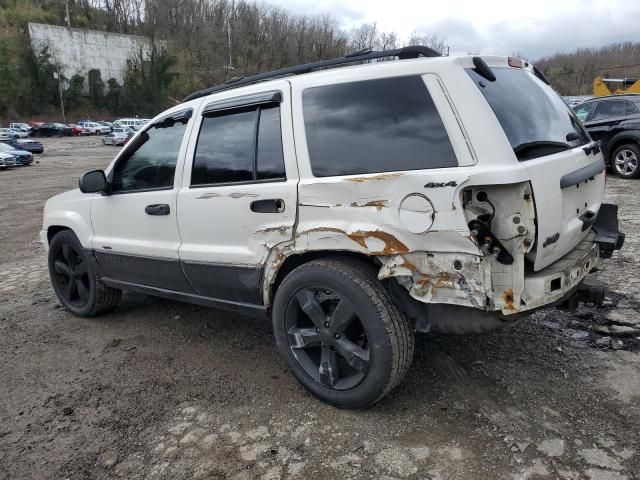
column 112, row 99
column 38, row 88
column 73, row 95
column 96, row 88
column 146, row 83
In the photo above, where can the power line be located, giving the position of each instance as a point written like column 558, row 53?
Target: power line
column 618, row 37
column 592, row 70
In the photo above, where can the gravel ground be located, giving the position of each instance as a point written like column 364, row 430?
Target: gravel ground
column 158, row 389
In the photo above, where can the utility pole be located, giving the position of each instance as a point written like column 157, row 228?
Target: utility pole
column 60, row 92
column 67, row 17
column 229, row 64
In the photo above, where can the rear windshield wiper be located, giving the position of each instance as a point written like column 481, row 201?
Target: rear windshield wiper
column 526, row 151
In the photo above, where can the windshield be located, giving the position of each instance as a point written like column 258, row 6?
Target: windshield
column 534, row 117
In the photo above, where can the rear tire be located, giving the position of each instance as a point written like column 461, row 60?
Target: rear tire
column 625, row 161
column 74, row 280
column 340, row 332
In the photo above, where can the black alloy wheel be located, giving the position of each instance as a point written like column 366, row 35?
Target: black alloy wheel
column 74, row 280
column 72, row 275
column 340, row 332
column 327, row 338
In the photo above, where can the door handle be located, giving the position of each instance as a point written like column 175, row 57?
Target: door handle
column 271, row 205
column 157, row 209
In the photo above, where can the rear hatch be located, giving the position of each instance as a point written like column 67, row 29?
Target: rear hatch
column 565, row 168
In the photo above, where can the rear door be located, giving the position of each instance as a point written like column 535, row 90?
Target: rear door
column 239, row 192
column 549, row 141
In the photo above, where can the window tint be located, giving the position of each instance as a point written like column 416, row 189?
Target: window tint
column 227, row 150
column 374, row 126
column 609, row 109
column 270, row 157
column 631, row 108
column 224, row 152
column 535, row 119
column 583, row 111
column 151, row 161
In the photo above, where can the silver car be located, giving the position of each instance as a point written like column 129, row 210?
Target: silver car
column 7, row 160
column 119, row 136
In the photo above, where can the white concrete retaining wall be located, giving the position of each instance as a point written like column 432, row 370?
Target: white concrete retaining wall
column 77, row 50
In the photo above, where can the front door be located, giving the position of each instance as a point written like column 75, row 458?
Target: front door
column 607, row 114
column 239, row 192
column 136, row 237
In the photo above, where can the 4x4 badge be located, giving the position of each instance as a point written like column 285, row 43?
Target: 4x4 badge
column 452, row 183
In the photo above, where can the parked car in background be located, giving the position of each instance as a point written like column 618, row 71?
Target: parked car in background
column 19, row 133
column 119, row 136
column 77, row 130
column 22, row 157
column 94, row 127
column 106, row 124
column 133, row 123
column 21, row 126
column 7, row 132
column 88, row 127
column 614, row 121
column 7, row 160
column 53, row 130
column 27, row 144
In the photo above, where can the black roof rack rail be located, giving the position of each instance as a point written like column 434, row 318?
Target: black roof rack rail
column 413, row 51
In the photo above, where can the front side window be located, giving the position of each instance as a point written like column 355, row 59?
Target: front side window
column 243, row 145
column 610, row 109
column 150, row 163
column 373, row 126
column 583, row 111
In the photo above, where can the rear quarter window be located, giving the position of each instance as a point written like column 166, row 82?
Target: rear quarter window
column 374, row 126
column 535, row 119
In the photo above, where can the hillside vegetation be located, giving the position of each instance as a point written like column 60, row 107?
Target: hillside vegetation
column 208, row 42
column 573, row 73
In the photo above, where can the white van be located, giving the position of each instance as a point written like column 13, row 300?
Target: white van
column 134, row 123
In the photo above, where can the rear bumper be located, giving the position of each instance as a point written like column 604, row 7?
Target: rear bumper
column 562, row 277
column 608, row 236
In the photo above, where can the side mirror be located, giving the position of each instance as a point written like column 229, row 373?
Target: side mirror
column 94, row 181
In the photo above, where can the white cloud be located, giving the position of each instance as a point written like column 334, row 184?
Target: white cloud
column 532, row 28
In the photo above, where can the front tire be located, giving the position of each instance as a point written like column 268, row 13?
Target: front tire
column 340, row 332
column 626, row 161
column 74, row 280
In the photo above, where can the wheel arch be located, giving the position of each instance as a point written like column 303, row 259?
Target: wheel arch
column 53, row 230
column 622, row 139
column 69, row 221
column 291, row 262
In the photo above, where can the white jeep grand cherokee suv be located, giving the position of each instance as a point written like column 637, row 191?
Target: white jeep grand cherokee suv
column 352, row 206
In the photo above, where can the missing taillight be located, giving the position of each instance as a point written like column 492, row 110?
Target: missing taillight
column 515, row 62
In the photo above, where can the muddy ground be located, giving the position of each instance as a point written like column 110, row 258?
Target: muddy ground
column 159, row 389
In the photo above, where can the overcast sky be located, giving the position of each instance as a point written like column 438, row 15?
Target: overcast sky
column 533, row 28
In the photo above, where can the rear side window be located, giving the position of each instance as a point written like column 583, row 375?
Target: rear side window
column 239, row 146
column 631, row 108
column 374, row 126
column 534, row 117
column 609, row 109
